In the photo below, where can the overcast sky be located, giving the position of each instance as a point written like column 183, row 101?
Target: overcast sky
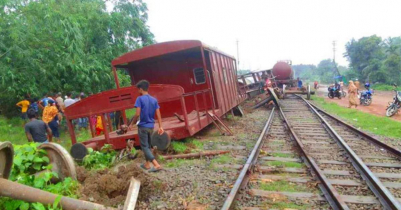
column 267, row 30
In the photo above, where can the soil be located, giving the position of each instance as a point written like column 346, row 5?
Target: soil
column 378, row 106
column 110, row 187
column 197, row 185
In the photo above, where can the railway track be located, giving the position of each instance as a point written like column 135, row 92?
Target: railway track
column 352, row 169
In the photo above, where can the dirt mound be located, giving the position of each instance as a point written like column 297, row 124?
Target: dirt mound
column 110, row 188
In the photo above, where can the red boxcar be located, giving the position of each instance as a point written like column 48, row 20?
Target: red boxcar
column 192, row 82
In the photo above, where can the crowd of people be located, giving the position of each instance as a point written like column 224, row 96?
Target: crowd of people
column 51, row 109
column 46, row 114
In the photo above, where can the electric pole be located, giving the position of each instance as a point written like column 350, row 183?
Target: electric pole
column 334, row 58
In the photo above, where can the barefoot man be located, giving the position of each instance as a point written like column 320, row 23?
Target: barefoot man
column 146, row 107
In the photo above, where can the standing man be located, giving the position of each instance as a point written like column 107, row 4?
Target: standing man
column 69, row 100
column 146, row 107
column 24, row 104
column 59, row 100
column 36, row 130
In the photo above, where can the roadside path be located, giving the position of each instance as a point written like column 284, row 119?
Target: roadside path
column 378, row 106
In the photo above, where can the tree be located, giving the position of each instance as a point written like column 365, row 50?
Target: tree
column 365, row 55
column 53, row 45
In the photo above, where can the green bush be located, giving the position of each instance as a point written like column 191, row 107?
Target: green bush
column 179, row 147
column 382, row 87
column 99, row 159
column 29, row 160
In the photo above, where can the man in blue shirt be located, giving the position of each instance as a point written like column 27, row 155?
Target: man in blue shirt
column 146, row 107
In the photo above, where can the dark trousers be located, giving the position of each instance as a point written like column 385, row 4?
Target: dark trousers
column 53, row 125
column 144, row 138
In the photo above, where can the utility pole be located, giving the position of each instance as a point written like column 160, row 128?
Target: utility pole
column 334, row 51
column 334, row 58
column 237, row 54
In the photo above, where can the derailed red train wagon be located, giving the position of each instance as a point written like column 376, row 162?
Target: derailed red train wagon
column 193, row 83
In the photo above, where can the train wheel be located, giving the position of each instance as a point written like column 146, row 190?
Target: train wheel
column 6, row 159
column 62, row 162
column 161, row 142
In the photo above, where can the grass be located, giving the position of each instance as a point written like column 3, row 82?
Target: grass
column 382, row 87
column 196, row 144
column 283, row 186
column 382, row 126
column 222, row 159
column 12, row 130
column 179, row 147
column 283, row 155
column 175, row 163
column 283, row 164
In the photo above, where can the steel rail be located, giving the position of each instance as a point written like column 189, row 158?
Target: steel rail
column 381, row 192
column 249, row 165
column 330, row 193
column 370, row 138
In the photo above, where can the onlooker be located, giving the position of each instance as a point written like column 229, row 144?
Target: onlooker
column 34, row 106
column 352, row 95
column 50, row 117
column 24, row 104
column 99, row 125
column 59, row 100
column 357, row 85
column 36, row 129
column 69, row 100
column 82, row 122
column 43, row 103
column 299, row 83
column 146, row 108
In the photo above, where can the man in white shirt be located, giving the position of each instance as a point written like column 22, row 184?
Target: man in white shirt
column 69, row 100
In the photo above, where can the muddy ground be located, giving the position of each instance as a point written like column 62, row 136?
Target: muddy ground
column 378, row 106
column 183, row 184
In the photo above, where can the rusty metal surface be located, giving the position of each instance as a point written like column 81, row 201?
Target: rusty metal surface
column 384, row 195
column 6, row 159
column 282, row 71
column 329, row 191
column 33, row 195
column 248, row 167
column 61, row 160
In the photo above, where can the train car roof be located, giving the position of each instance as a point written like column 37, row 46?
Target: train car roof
column 160, row 49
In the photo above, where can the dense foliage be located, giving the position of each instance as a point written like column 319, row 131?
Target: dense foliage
column 376, row 60
column 29, row 160
column 53, row 45
column 371, row 59
column 99, row 159
column 324, row 72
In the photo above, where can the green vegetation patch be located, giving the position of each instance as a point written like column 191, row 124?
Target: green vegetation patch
column 179, row 147
column 102, row 159
column 283, row 186
column 283, row 155
column 222, row 159
column 176, row 163
column 27, row 161
column 283, row 164
column 187, row 146
column 383, row 126
column 382, row 87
